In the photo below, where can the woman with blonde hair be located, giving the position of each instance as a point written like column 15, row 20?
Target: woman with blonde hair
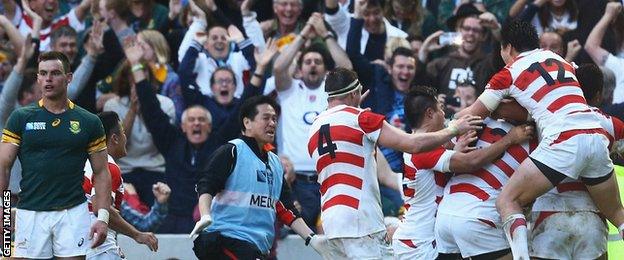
column 157, row 55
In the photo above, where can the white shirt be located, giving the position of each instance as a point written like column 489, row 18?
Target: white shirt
column 303, row 106
column 553, row 100
column 341, row 22
column 554, row 24
column 616, row 64
column 473, row 195
column 422, row 177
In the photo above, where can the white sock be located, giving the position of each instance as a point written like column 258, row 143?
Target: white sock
column 516, row 231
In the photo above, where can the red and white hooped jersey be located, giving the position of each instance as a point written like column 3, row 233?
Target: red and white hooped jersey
column 545, row 84
column 423, row 183
column 473, row 195
column 342, row 144
column 570, row 194
column 117, row 190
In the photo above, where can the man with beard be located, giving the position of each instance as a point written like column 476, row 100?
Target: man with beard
column 464, row 62
column 47, row 10
column 305, row 98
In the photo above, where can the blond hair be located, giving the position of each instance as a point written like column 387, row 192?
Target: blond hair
column 157, row 41
column 392, row 44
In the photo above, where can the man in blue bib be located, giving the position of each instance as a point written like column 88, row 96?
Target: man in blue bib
column 243, row 191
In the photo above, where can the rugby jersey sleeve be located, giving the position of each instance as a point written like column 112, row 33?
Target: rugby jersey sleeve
column 285, row 208
column 496, row 89
column 438, row 159
column 12, row 132
column 97, row 138
column 371, row 124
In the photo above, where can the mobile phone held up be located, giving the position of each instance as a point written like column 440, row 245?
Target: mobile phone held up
column 450, row 38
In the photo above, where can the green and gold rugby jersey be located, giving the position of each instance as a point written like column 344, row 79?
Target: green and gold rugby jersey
column 53, row 150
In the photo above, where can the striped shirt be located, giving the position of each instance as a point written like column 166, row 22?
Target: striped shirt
column 342, row 144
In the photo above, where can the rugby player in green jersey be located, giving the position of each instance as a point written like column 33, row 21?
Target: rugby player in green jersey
column 53, row 139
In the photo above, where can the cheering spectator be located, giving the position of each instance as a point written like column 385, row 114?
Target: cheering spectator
column 375, row 30
column 552, row 41
column 47, row 11
column 156, row 54
column 186, row 152
column 613, row 15
column 222, row 104
column 305, row 98
column 221, row 49
column 550, row 15
column 463, row 63
column 144, row 165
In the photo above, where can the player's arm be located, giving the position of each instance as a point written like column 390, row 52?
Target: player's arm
column 9, row 146
column 118, row 224
column 397, row 139
column 102, row 184
column 288, row 214
column 474, row 160
column 385, row 175
column 594, row 40
column 8, row 153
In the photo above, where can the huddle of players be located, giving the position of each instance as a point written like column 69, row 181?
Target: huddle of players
column 460, row 202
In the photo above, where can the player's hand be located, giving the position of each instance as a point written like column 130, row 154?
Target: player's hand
column 464, row 141
column 148, row 239
column 522, row 133
column 203, row 222
column 319, row 243
column 97, row 234
column 465, row 124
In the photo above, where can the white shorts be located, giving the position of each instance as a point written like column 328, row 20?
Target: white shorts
column 582, row 155
column 409, row 249
column 111, row 254
column 568, row 235
column 468, row 236
column 373, row 246
column 44, row 234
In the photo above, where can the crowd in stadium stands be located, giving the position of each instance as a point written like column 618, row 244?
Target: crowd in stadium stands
column 212, row 55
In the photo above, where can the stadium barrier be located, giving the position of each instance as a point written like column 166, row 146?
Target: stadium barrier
column 181, row 247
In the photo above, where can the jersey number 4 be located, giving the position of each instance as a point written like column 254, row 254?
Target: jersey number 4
column 325, row 144
column 540, row 67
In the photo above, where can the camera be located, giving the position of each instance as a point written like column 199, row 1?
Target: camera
column 450, row 38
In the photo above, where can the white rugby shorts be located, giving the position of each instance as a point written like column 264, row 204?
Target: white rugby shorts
column 567, row 235
column 468, row 236
column 44, row 234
